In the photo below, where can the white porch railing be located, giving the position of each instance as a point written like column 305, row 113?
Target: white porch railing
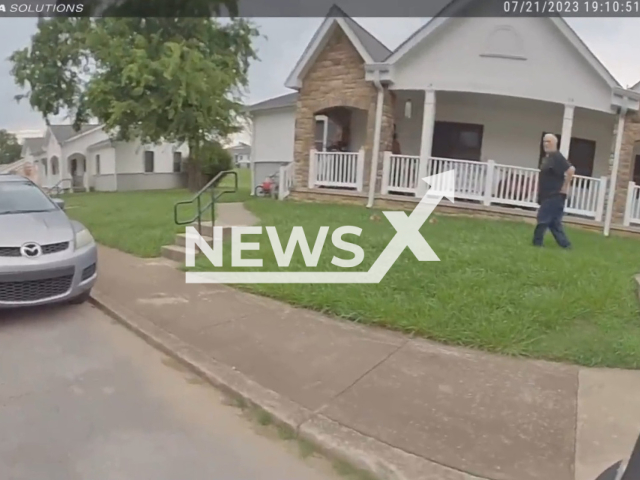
column 400, row 173
column 493, row 183
column 632, row 210
column 586, row 197
column 470, row 176
column 336, row 169
column 286, row 181
column 517, row 186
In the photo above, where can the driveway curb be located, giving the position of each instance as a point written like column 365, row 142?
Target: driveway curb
column 334, row 440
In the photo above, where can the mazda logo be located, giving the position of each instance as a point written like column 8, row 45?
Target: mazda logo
column 31, row 250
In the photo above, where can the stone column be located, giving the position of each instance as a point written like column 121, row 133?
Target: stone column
column 567, row 127
column 630, row 137
column 426, row 140
column 614, row 174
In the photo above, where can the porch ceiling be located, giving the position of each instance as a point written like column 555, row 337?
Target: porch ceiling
column 494, row 102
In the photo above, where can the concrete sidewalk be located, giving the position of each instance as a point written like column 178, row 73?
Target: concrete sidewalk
column 404, row 408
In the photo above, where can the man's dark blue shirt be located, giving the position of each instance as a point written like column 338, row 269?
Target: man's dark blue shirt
column 552, row 171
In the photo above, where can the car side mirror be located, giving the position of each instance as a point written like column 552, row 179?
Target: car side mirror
column 59, row 202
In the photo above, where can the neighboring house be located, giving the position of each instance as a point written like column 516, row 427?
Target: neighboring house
column 27, row 165
column 272, row 136
column 89, row 159
column 466, row 92
column 241, row 154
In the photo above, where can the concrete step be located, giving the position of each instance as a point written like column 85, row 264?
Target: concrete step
column 176, row 253
column 181, row 239
column 207, row 230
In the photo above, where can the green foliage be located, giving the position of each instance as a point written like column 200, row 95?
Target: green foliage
column 10, row 149
column 155, row 79
column 214, row 158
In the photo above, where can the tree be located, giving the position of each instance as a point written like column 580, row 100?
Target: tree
column 10, row 149
column 152, row 79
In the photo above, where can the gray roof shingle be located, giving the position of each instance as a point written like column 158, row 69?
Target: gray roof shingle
column 374, row 47
column 65, row 132
column 34, row 145
column 287, row 100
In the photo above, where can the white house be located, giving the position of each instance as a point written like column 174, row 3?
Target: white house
column 465, row 91
column 89, row 159
column 272, row 136
column 241, row 154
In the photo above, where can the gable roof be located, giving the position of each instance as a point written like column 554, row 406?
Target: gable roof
column 34, row 145
column 287, row 100
column 454, row 9
column 376, row 49
column 65, row 132
column 369, row 47
column 636, row 87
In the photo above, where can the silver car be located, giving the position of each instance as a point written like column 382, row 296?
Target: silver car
column 44, row 256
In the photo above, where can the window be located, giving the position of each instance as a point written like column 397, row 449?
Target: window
column 636, row 170
column 149, row 161
column 582, row 153
column 17, row 197
column 97, row 164
column 54, row 166
column 177, row 162
column 461, row 141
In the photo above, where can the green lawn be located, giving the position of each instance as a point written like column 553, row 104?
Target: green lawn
column 491, row 290
column 141, row 222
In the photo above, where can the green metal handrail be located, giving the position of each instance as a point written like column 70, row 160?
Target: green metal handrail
column 197, row 198
column 56, row 187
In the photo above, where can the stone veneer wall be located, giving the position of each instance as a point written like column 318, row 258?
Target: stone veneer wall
column 630, row 136
column 337, row 79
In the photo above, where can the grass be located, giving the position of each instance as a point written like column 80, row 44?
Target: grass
column 141, row 222
column 491, row 290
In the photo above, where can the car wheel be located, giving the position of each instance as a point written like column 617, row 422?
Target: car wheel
column 82, row 298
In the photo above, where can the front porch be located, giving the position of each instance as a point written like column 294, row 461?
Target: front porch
column 492, row 142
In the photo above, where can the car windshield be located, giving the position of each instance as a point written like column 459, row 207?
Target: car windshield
column 23, row 197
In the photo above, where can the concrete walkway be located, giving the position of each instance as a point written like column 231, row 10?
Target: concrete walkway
column 405, row 408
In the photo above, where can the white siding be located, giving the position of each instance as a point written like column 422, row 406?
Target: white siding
column 512, row 127
column 273, row 135
column 107, row 160
column 130, row 157
column 520, row 57
column 79, row 144
column 52, row 147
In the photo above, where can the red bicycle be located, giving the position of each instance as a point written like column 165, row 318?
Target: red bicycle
column 268, row 187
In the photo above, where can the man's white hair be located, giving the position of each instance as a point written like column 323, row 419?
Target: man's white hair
column 551, row 136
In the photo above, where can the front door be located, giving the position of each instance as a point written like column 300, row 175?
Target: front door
column 76, row 177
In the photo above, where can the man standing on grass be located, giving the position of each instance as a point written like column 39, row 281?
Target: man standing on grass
column 553, row 184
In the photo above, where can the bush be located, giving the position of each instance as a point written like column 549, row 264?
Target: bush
column 214, row 159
